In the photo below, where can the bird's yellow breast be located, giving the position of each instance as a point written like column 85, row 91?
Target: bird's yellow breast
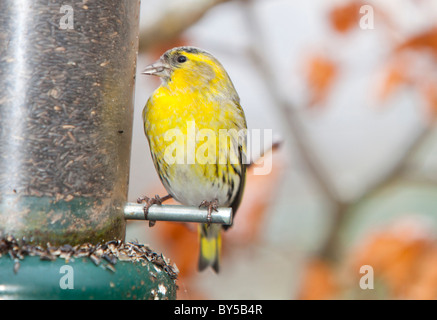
column 169, row 109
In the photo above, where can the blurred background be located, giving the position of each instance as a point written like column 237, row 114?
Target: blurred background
column 350, row 87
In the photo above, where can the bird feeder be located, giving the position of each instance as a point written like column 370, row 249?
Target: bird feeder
column 66, row 110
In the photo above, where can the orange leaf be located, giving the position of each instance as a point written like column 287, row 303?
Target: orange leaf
column 425, row 284
column 320, row 74
column 425, row 40
column 319, row 282
column 344, row 18
column 395, row 75
column 396, row 256
column 429, row 90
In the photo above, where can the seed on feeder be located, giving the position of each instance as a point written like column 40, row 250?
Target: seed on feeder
column 95, row 259
column 16, row 265
column 111, row 252
column 110, row 267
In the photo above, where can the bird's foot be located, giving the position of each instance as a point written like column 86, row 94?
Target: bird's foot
column 148, row 202
column 212, row 206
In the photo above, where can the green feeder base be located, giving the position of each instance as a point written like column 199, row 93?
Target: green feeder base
column 81, row 279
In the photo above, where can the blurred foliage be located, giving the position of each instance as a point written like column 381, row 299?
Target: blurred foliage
column 392, row 231
column 403, row 249
column 345, row 17
column 321, row 72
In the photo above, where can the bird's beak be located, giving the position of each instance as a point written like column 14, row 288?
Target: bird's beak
column 158, row 68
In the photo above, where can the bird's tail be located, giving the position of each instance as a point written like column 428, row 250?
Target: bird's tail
column 210, row 246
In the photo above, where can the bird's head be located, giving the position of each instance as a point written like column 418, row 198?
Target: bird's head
column 190, row 68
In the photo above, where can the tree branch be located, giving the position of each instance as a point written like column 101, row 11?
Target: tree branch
column 400, row 166
column 330, row 248
column 293, row 125
column 176, row 19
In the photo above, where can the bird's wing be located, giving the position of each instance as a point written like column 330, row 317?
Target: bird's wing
column 240, row 169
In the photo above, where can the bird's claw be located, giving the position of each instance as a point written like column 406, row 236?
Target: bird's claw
column 148, row 202
column 211, row 206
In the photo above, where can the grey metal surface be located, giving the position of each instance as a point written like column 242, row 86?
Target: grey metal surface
column 135, row 211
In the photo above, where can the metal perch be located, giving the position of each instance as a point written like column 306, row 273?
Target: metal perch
column 135, row 211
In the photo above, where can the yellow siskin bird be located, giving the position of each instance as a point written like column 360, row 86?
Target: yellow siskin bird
column 197, row 93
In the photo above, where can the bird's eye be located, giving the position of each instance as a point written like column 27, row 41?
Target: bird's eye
column 182, row 59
